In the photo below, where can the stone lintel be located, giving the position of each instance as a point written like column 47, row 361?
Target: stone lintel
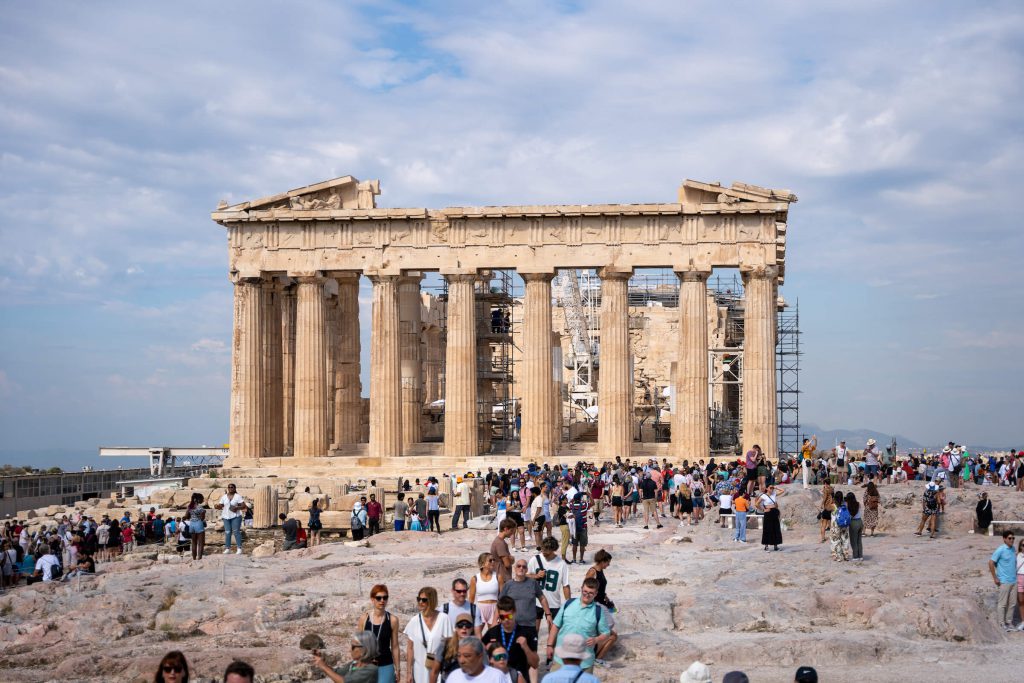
column 343, row 274
column 309, row 276
column 615, row 272
column 457, row 271
column 383, row 270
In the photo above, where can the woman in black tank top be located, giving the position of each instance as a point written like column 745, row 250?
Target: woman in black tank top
column 384, row 627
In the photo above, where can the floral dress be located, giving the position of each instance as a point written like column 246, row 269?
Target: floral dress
column 871, row 512
column 839, row 539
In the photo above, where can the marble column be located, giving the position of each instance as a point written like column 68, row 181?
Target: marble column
column 310, row 369
column 409, row 305
column 287, row 321
column 385, row 370
column 348, row 403
column 536, row 440
column 460, row 412
column 615, row 384
column 273, row 417
column 331, row 360
column 247, row 388
column 431, row 365
column 265, row 507
column 691, row 429
column 485, row 361
column 760, row 417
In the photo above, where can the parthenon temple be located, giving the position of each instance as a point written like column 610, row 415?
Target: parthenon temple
column 479, row 369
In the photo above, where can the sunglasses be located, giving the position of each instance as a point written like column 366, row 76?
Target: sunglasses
column 460, row 591
column 506, row 617
column 499, row 658
column 381, row 598
column 423, row 600
column 463, row 624
column 176, row 668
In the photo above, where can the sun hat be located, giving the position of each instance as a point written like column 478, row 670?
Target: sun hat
column 697, row 673
column 573, row 646
column 871, row 442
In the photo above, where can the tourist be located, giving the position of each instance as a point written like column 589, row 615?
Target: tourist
column 426, row 632
column 239, row 672
column 527, row 593
column 458, row 605
column 290, row 527
column 839, row 529
column 446, row 659
column 856, row 527
column 735, row 677
column 358, row 521
column 579, row 508
column 497, row 656
column 473, row 665
column 1020, row 584
column 872, row 502
column 314, row 525
column 383, row 626
column 173, row 668
column 484, row 588
column 806, row 455
column 983, row 513
column 584, row 617
column 871, row 460
column 47, row 567
column 929, row 509
column 196, row 515
column 8, row 562
column 617, row 494
column 518, row 640
column 462, row 502
column 361, row 669
column 768, row 505
column 420, row 505
column 1003, row 567
column 232, row 507
column 741, row 508
column 649, row 493
column 827, row 507
column 500, row 551
column 401, row 509
column 538, row 505
column 374, row 513
column 572, row 650
column 552, row 574
column 85, row 566
column 433, row 510
column 697, row 672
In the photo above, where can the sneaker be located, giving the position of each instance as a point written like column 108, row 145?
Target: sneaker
column 742, row 541
column 1021, row 627
column 659, row 526
column 646, row 527
column 1008, row 628
column 238, row 552
column 227, row 550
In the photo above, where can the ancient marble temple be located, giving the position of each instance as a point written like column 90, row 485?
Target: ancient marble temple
column 296, row 259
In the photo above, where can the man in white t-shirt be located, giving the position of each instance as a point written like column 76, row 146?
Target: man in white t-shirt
column 552, row 573
column 459, row 605
column 44, row 567
column 473, row 665
column 461, row 492
column 232, row 507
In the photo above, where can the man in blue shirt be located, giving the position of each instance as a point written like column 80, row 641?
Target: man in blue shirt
column 571, row 650
column 583, row 617
column 1003, row 566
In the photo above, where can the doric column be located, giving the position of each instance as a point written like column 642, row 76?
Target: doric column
column 690, row 425
column 265, row 507
column 247, row 388
column 537, row 440
column 331, row 359
column 348, row 402
column 310, row 369
column 431, row 365
column 615, row 385
column 760, row 419
column 287, row 321
column 484, row 355
column 460, row 413
column 385, row 370
column 273, row 418
column 412, row 372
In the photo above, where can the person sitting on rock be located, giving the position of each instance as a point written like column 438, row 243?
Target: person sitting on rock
column 361, row 669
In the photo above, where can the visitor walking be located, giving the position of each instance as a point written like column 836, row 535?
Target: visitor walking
column 584, row 617
column 374, row 515
column 839, row 529
column 426, row 632
column 500, row 551
column 484, row 588
column 1003, row 567
column 856, row 527
column 314, row 525
column 232, row 507
column 384, row 627
column 571, row 651
column 196, row 515
column 872, row 501
column 768, row 504
column 518, row 640
column 929, row 509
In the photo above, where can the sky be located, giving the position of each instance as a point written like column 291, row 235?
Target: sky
column 122, row 125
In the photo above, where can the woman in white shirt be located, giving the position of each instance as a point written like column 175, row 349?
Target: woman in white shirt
column 771, row 527
column 426, row 632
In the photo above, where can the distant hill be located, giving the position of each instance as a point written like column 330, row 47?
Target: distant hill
column 856, row 438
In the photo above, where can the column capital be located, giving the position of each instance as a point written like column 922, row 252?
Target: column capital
column 614, row 273
column 343, row 275
column 411, row 278
column 537, row 277
column 379, row 279
column 461, row 277
column 309, row 278
column 765, row 272
column 248, row 278
column 693, row 275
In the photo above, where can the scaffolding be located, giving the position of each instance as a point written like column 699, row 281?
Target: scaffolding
column 787, row 380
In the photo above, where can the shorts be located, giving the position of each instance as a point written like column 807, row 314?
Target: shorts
column 196, row 526
column 1020, row 586
column 725, row 511
column 539, row 523
column 698, row 501
column 616, row 501
column 649, row 507
column 580, row 539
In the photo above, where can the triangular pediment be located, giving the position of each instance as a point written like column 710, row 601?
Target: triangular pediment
column 697, row 192
column 346, row 192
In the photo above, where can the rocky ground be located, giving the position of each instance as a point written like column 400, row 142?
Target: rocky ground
column 915, row 610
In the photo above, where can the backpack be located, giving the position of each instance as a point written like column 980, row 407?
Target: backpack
column 357, row 523
column 843, row 517
column 930, row 499
column 56, row 572
column 472, row 611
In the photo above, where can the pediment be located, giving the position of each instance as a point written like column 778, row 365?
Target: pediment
column 345, row 192
column 697, row 192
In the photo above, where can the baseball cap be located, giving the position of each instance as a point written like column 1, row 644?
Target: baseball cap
column 806, row 674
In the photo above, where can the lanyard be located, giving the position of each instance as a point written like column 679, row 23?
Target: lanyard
column 511, row 638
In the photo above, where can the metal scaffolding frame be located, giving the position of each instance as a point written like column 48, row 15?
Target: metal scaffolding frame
column 787, row 380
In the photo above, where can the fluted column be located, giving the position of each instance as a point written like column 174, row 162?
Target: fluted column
column 691, row 426
column 310, row 370
column 460, row 413
column 537, row 429
column 287, row 321
column 760, row 417
column 265, row 507
column 247, row 388
column 331, row 359
column 431, row 365
column 412, row 372
column 615, row 385
column 273, row 419
column 385, row 370
column 348, row 389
